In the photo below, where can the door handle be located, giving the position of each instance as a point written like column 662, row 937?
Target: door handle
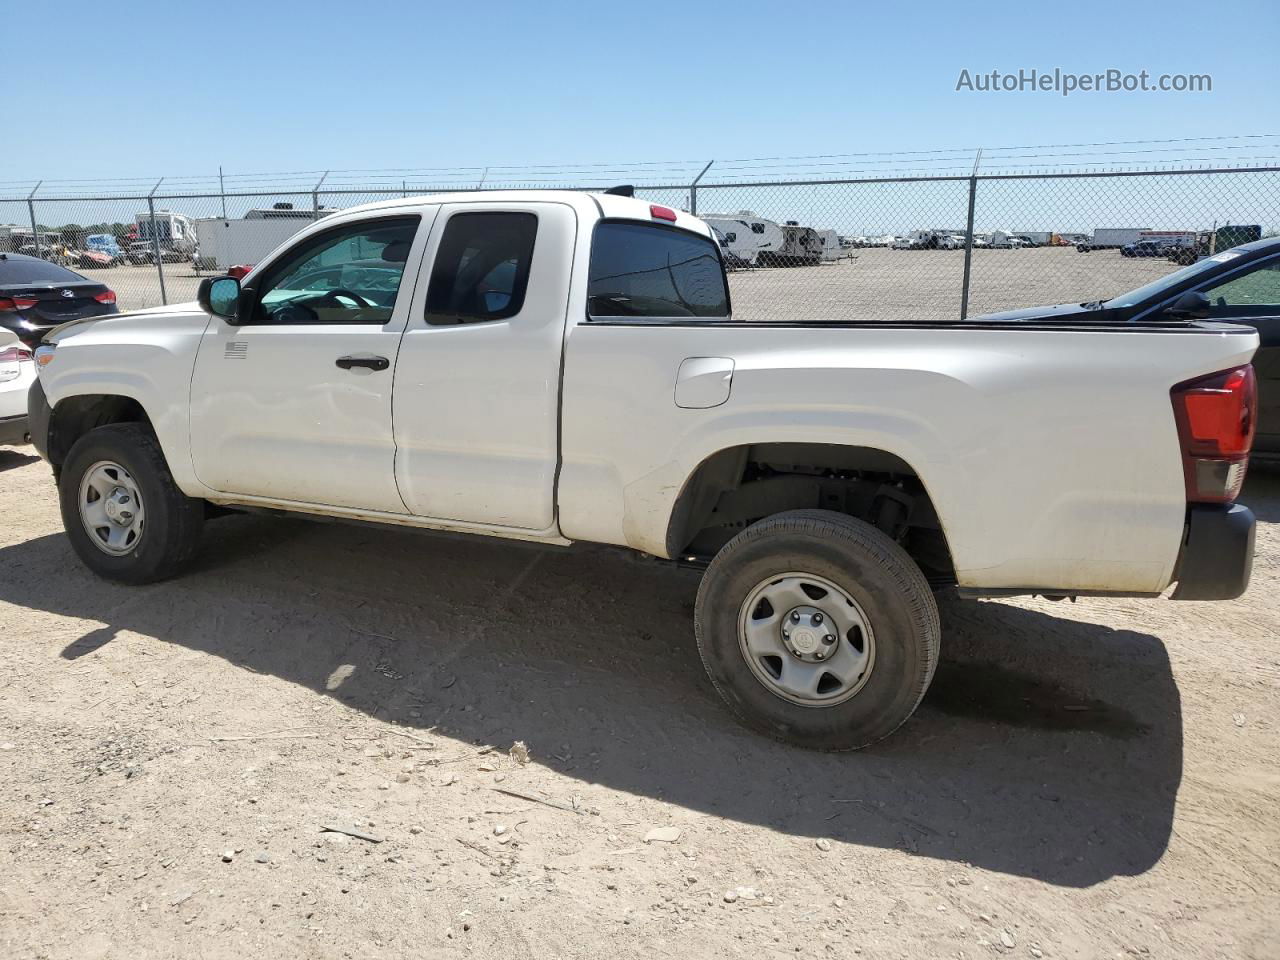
column 372, row 363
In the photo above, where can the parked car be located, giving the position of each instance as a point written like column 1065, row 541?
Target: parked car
column 140, row 252
column 17, row 373
column 1240, row 286
column 593, row 386
column 105, row 244
column 92, row 260
column 1147, row 248
column 36, row 296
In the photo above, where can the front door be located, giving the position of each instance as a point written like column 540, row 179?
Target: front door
column 294, row 402
column 1252, row 297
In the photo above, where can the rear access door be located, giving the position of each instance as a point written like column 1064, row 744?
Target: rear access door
column 477, row 383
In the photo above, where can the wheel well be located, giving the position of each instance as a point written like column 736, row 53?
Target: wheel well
column 75, row 416
column 735, row 487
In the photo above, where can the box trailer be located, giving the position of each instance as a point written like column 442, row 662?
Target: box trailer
column 1111, row 238
column 228, row 243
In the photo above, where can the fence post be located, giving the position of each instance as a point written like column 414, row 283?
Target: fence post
column 155, row 240
column 31, row 209
column 315, row 196
column 693, row 189
column 968, row 238
column 222, row 192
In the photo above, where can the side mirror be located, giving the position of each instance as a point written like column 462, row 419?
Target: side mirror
column 220, row 296
column 1192, row 305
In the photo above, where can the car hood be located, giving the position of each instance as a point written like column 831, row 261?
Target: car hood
column 157, row 312
column 1055, row 313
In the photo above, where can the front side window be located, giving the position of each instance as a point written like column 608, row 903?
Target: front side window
column 481, row 271
column 1253, row 292
column 348, row 275
column 646, row 270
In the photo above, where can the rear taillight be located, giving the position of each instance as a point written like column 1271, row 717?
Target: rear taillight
column 1216, row 417
column 14, row 354
column 662, row 213
column 17, row 303
column 106, row 296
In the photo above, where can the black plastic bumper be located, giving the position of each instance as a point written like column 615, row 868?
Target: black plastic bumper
column 13, row 431
column 1217, row 552
column 38, row 415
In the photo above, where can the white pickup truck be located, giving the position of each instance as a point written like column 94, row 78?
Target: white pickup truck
column 562, row 367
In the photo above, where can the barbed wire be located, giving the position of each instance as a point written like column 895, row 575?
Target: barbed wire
column 1172, row 153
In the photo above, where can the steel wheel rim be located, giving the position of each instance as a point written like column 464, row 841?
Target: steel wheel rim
column 803, row 666
column 111, row 508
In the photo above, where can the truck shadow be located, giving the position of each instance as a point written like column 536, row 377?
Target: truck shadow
column 1262, row 491
column 12, row 458
column 1048, row 747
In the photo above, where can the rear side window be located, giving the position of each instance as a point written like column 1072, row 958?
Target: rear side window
column 481, row 271
column 647, row 270
column 18, row 270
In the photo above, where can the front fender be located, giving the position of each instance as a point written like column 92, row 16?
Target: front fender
column 146, row 357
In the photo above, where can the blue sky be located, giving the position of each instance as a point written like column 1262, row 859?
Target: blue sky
column 287, row 86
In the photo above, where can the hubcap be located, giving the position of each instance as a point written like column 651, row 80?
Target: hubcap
column 111, row 508
column 807, row 640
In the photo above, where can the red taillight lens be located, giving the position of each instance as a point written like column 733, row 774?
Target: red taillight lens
column 14, row 354
column 662, row 213
column 1216, row 417
column 106, row 296
column 17, row 303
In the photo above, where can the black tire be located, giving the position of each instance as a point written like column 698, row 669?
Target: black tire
column 873, row 570
column 173, row 520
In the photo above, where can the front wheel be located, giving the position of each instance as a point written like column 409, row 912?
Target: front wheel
column 125, row 517
column 817, row 629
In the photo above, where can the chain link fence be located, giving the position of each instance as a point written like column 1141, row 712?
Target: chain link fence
column 873, row 248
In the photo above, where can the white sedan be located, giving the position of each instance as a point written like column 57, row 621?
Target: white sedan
column 17, row 373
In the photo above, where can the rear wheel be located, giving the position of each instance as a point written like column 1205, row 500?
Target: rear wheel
column 817, row 629
column 124, row 516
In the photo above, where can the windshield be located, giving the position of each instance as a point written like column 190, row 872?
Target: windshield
column 1171, row 280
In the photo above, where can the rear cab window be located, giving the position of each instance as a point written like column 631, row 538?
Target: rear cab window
column 647, row 270
column 14, row 270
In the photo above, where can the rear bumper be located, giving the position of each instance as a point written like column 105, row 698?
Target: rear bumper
column 13, row 431
column 37, row 418
column 1217, row 552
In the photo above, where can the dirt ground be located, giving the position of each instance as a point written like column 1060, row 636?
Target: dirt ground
column 1084, row 780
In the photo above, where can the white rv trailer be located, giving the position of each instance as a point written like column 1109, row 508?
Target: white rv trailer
column 747, row 235
column 174, row 232
column 831, row 247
